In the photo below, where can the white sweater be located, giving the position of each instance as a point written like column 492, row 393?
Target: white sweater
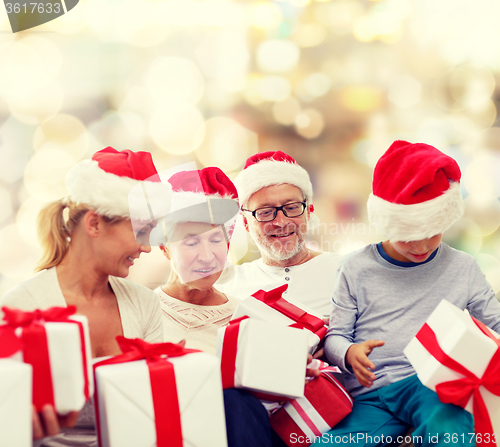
column 310, row 283
column 194, row 323
column 139, row 308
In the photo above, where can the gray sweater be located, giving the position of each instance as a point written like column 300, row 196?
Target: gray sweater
column 375, row 299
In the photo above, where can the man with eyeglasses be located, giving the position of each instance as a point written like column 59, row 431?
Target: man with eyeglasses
column 276, row 201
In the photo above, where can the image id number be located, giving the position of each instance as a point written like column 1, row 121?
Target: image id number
column 470, row 437
column 33, row 8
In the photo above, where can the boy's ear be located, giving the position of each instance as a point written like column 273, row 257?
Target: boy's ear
column 92, row 223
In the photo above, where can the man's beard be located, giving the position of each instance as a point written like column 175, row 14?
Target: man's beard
column 276, row 250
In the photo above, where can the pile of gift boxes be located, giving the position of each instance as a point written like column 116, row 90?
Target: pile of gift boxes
column 45, row 359
column 164, row 394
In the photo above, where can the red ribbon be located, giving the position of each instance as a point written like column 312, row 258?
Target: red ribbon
column 303, row 320
column 33, row 343
column 228, row 360
column 229, row 351
column 460, row 391
column 163, row 385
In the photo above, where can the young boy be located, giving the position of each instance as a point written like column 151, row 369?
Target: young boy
column 385, row 292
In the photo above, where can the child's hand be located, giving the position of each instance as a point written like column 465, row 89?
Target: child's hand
column 319, row 353
column 357, row 357
column 311, row 371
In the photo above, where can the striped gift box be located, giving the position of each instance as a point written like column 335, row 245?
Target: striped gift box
column 325, row 403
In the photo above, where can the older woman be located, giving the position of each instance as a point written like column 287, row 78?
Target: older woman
column 195, row 238
column 90, row 239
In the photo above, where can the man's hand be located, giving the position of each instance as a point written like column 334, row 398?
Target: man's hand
column 48, row 423
column 357, row 357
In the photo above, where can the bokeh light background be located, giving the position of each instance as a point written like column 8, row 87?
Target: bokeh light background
column 331, row 82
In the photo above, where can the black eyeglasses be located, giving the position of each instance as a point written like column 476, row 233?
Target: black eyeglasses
column 269, row 213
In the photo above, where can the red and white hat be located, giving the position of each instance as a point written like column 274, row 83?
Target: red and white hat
column 271, row 168
column 206, row 195
column 416, row 192
column 120, row 184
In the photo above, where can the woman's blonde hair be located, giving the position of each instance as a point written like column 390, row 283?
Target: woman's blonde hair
column 55, row 223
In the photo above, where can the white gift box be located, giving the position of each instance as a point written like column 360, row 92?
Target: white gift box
column 254, row 308
column 269, row 359
column 125, row 401
column 56, row 344
column 67, row 363
column 15, row 404
column 68, row 367
column 462, row 340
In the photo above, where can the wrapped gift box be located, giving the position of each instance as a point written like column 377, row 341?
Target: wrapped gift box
column 58, row 351
column 125, row 407
column 263, row 357
column 273, row 308
column 466, row 348
column 15, row 404
column 325, row 403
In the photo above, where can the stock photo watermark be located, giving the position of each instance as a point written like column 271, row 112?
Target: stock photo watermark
column 26, row 14
column 340, row 237
column 364, row 438
column 334, row 237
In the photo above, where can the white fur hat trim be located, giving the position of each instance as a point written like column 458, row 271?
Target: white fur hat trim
column 115, row 196
column 404, row 223
column 272, row 172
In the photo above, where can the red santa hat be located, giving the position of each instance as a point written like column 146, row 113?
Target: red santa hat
column 206, row 195
column 416, row 192
column 119, row 184
column 271, row 168
column 208, row 182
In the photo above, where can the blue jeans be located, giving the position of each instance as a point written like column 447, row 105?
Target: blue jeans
column 384, row 416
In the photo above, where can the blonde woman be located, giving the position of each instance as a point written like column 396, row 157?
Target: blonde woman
column 90, row 239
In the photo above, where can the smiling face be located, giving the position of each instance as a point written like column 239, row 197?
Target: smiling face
column 199, row 253
column 118, row 247
column 282, row 240
column 413, row 251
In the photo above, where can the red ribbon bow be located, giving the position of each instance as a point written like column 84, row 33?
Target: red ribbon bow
column 460, row 391
column 33, row 343
column 138, row 349
column 303, row 320
column 20, row 318
column 10, row 343
column 163, row 385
